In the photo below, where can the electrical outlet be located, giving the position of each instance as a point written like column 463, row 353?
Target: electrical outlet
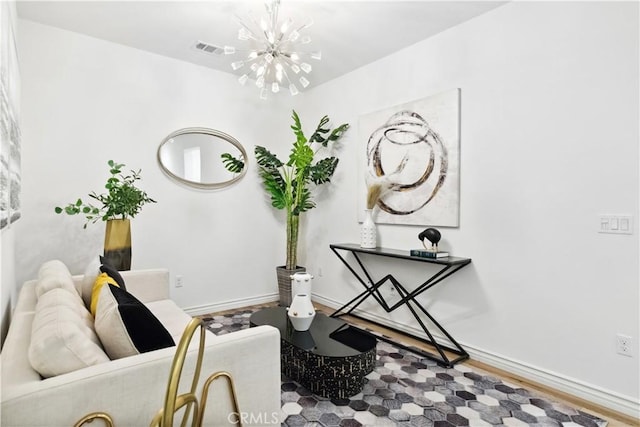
column 624, row 345
column 178, row 281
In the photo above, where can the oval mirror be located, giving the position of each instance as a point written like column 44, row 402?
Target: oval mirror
column 202, row 158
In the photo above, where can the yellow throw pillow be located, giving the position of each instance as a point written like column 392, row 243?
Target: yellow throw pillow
column 101, row 280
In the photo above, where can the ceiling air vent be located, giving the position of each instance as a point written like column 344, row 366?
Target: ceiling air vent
column 207, row 48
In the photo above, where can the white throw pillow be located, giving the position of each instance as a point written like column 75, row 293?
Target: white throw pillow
column 52, row 275
column 90, row 275
column 62, row 337
column 126, row 327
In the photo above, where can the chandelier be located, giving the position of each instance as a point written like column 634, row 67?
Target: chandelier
column 274, row 57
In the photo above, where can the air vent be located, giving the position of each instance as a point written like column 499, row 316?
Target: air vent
column 207, row 48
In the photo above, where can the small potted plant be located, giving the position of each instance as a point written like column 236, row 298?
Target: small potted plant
column 122, row 201
column 290, row 186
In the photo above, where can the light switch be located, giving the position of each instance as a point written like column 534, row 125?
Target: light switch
column 624, row 224
column 615, row 224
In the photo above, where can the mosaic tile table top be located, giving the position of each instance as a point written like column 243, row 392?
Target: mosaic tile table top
column 408, row 390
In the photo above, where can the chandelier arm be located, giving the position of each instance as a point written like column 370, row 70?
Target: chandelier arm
column 258, row 52
column 278, row 40
column 273, row 13
column 288, row 54
column 252, row 19
column 287, row 60
column 303, row 26
column 252, row 34
column 286, row 76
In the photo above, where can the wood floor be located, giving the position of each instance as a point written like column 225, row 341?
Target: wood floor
column 614, row 418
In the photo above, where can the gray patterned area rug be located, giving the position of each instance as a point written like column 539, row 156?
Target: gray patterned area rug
column 406, row 389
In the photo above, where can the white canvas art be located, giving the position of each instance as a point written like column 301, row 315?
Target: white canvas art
column 10, row 149
column 413, row 150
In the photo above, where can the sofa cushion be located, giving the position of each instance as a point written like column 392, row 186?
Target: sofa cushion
column 172, row 317
column 54, row 274
column 125, row 326
column 56, row 298
column 62, row 337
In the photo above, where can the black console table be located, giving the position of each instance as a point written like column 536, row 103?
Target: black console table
column 449, row 265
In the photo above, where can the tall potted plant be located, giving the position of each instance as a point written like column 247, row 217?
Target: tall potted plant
column 122, row 201
column 290, row 185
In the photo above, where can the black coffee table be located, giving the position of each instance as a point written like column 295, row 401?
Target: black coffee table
column 331, row 359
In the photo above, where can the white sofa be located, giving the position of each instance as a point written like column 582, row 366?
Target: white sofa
column 132, row 389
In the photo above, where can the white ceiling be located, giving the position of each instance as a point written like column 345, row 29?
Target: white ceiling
column 350, row 34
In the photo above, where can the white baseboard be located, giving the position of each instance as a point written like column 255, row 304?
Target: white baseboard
column 608, row 399
column 229, row 305
column 591, row 393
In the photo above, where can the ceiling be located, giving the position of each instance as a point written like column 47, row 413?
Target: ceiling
column 350, row 34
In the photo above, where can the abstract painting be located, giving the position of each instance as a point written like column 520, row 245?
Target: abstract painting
column 10, row 172
column 4, row 164
column 412, row 150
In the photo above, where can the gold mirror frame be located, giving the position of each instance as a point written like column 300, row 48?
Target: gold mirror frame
column 205, row 131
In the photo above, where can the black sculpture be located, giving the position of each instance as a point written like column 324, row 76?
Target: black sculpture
column 433, row 236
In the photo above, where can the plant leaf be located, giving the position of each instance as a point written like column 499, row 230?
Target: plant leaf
column 265, row 158
column 301, row 155
column 231, row 163
column 297, row 127
column 274, row 183
column 317, row 134
column 122, row 199
column 275, row 189
column 304, row 202
column 337, row 132
column 322, row 171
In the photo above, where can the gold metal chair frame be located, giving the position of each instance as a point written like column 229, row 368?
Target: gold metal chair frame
column 174, row 402
column 93, row 416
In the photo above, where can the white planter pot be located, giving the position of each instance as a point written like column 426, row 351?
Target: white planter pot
column 301, row 284
column 301, row 312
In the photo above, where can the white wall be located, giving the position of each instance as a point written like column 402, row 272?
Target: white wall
column 549, row 141
column 549, row 129
column 87, row 101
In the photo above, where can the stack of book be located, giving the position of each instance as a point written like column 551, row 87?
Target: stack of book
column 423, row 253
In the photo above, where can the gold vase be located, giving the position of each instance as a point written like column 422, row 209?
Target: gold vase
column 117, row 243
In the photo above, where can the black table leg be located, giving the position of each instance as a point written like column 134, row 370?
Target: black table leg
column 407, row 299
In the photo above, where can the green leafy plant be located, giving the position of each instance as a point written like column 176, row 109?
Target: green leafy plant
column 121, row 201
column 289, row 184
column 231, row 163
